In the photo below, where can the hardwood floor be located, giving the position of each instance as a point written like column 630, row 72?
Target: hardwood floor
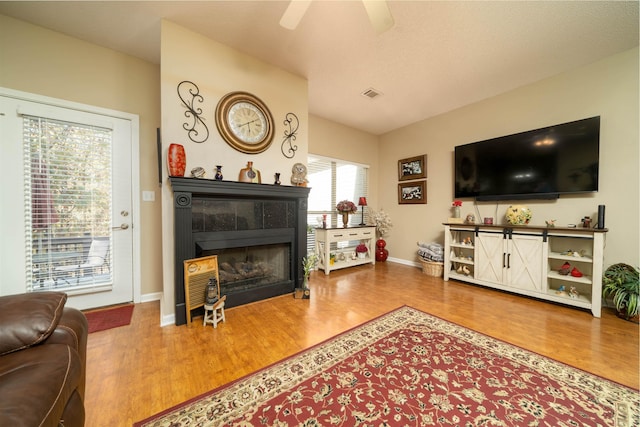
column 138, row 370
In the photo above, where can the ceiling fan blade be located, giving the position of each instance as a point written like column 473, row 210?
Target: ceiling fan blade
column 294, row 13
column 379, row 15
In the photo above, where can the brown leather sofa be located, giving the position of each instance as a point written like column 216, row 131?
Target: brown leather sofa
column 43, row 348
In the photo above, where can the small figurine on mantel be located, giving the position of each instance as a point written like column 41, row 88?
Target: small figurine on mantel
column 250, row 174
column 198, row 172
column 299, row 175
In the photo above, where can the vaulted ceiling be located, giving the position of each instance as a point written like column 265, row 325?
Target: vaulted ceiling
column 437, row 57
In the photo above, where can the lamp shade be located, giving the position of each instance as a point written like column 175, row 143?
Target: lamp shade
column 362, row 201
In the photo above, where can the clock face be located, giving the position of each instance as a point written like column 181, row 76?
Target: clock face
column 244, row 122
column 247, row 122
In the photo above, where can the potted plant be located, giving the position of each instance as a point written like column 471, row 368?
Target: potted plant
column 361, row 250
column 308, row 263
column 621, row 283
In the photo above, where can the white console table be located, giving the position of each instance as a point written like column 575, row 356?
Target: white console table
column 526, row 259
column 327, row 243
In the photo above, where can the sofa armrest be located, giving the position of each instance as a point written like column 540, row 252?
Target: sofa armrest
column 73, row 330
column 28, row 319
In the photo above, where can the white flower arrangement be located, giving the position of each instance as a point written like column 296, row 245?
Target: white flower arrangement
column 382, row 222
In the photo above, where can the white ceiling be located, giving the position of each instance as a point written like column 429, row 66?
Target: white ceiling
column 439, row 55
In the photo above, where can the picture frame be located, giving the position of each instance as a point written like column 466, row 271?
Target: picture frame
column 412, row 168
column 411, row 193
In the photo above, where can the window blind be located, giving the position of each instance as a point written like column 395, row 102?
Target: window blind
column 67, row 199
column 331, row 181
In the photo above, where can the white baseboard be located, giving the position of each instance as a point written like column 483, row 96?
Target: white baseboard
column 155, row 296
column 165, row 320
column 168, row 320
column 404, row 262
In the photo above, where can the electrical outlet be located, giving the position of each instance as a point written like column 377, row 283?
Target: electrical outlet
column 148, row 196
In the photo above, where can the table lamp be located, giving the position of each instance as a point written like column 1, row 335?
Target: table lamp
column 362, row 201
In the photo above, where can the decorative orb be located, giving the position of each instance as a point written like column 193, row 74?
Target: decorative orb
column 381, row 252
column 518, row 215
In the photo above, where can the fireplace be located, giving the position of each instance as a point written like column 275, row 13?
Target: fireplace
column 252, row 268
column 258, row 232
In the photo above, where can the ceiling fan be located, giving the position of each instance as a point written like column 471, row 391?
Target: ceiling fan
column 378, row 11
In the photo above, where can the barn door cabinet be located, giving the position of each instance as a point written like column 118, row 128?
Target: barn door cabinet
column 527, row 260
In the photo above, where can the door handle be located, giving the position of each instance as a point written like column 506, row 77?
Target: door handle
column 122, row 226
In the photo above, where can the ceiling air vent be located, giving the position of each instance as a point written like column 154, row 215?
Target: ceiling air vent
column 371, row 93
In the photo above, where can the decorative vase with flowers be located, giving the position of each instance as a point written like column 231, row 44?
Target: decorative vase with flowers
column 383, row 224
column 346, row 207
column 457, row 204
column 361, row 250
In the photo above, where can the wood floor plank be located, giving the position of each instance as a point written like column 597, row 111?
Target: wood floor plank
column 138, row 370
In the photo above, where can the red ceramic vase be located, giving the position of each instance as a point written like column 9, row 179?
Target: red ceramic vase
column 381, row 252
column 177, row 160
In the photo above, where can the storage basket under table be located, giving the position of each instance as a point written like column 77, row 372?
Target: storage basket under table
column 431, row 268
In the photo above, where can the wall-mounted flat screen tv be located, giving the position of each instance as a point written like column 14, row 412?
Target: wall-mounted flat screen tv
column 537, row 164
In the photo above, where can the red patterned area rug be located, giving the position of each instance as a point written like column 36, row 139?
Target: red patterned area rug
column 408, row 368
column 109, row 318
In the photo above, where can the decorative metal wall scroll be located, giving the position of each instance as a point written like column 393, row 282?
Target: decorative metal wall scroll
column 187, row 89
column 291, row 120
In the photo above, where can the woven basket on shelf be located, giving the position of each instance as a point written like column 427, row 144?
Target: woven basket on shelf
column 431, row 268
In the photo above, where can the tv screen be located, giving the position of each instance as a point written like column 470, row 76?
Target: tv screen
column 541, row 163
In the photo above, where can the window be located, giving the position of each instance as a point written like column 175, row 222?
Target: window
column 331, row 181
column 67, row 203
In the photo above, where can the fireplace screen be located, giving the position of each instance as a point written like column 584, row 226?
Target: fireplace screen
column 236, row 215
column 247, row 268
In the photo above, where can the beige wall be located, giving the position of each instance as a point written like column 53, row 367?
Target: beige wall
column 331, row 139
column 608, row 88
column 217, row 70
column 44, row 62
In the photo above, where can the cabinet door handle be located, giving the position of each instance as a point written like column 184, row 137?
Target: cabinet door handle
column 504, row 264
column 508, row 260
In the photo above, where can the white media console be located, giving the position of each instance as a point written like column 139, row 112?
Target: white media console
column 527, row 260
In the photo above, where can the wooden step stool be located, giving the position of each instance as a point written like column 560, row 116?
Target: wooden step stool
column 214, row 313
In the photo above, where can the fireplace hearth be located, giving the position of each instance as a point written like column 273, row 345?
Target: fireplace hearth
column 258, row 232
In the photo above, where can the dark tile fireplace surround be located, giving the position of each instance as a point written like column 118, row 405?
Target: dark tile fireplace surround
column 258, row 231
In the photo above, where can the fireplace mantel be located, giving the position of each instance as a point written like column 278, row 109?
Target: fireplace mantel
column 185, row 190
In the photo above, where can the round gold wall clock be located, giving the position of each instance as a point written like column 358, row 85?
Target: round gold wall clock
column 245, row 122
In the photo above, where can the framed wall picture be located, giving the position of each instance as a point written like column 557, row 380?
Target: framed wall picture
column 412, row 168
column 412, row 192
